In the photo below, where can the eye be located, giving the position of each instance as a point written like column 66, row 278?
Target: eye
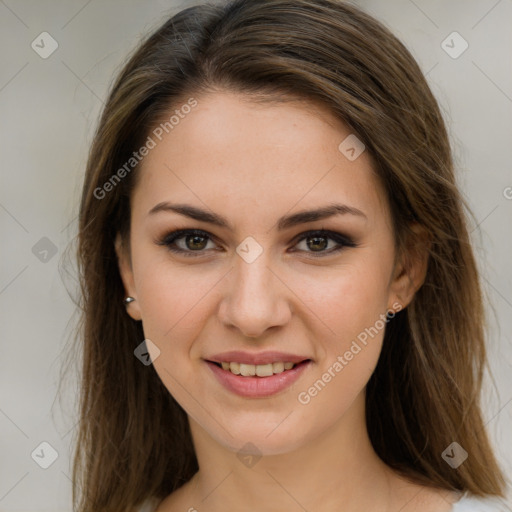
column 318, row 241
column 194, row 242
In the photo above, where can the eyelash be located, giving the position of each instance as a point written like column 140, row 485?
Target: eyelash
column 342, row 240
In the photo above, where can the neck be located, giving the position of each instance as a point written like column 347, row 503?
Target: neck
column 339, row 470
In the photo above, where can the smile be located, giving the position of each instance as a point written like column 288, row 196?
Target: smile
column 260, row 380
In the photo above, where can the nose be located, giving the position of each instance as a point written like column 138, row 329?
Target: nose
column 255, row 299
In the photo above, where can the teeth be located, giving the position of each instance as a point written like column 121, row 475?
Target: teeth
column 234, row 368
column 247, row 370
column 264, row 370
column 261, row 370
column 278, row 367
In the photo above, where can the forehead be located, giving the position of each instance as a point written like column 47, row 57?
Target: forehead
column 237, row 156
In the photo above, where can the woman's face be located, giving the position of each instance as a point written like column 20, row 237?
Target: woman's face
column 257, row 283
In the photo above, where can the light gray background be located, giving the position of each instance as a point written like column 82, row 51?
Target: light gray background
column 48, row 110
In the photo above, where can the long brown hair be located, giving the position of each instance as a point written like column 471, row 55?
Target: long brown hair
column 133, row 439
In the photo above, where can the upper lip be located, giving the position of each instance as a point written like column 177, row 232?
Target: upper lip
column 238, row 356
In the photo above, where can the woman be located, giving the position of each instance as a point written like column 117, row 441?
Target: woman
column 281, row 304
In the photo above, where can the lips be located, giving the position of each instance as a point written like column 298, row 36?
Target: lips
column 258, row 386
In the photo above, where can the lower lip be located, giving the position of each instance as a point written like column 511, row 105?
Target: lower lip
column 258, row 387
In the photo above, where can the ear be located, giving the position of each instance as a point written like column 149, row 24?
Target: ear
column 126, row 272
column 411, row 267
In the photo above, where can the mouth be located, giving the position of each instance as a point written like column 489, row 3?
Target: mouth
column 257, row 380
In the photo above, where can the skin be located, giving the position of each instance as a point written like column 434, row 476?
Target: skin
column 253, row 164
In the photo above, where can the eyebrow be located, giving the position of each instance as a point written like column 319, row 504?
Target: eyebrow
column 285, row 222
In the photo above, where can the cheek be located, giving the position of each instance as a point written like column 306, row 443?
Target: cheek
column 350, row 304
column 354, row 307
column 347, row 299
column 348, row 358
column 173, row 305
column 170, row 295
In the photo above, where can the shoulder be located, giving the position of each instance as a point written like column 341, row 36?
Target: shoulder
column 419, row 497
column 470, row 503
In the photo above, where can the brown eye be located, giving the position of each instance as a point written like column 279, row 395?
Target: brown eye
column 316, row 243
column 324, row 242
column 195, row 242
column 188, row 242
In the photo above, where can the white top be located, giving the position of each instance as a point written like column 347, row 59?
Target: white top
column 467, row 503
column 470, row 503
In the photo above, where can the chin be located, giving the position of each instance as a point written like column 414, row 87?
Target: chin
column 255, row 439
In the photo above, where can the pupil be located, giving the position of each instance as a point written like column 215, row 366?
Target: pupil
column 194, row 239
column 315, row 239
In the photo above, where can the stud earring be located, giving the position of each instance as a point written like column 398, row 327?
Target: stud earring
column 128, row 300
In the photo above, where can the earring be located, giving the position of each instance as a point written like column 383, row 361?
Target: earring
column 128, row 300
